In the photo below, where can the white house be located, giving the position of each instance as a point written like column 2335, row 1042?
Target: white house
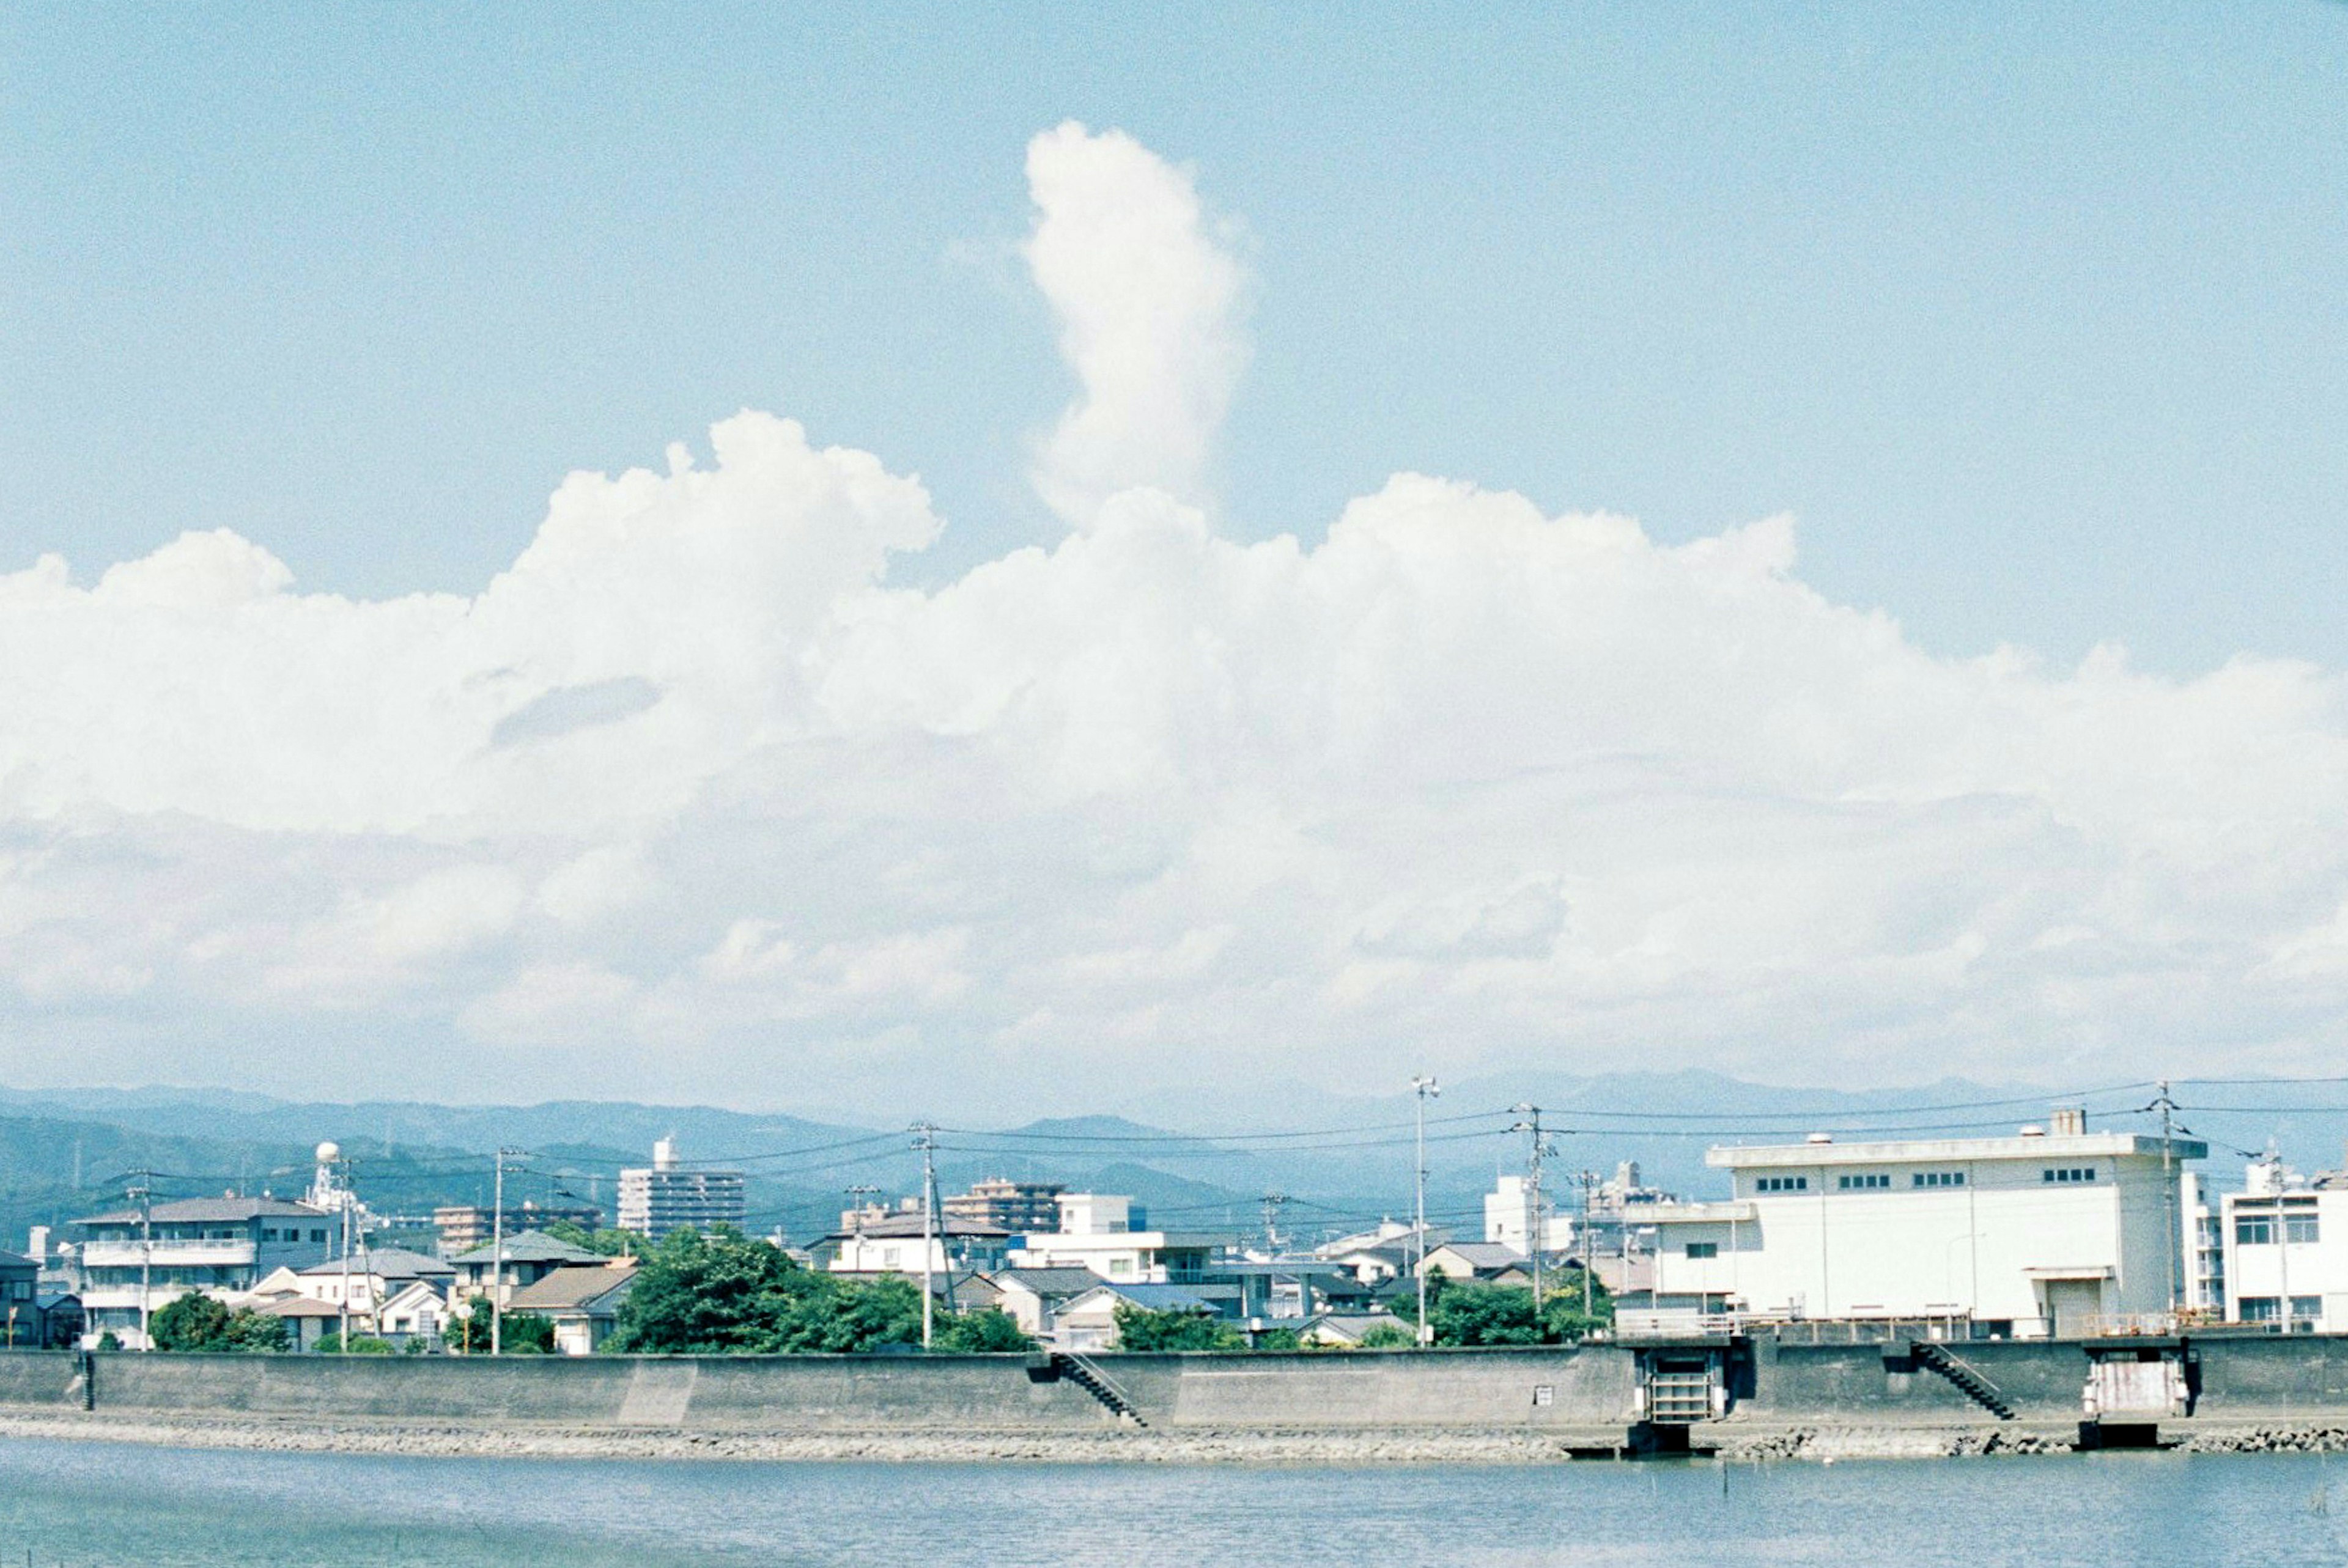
column 1508, row 1217
column 2060, row 1231
column 894, row 1245
column 1096, row 1232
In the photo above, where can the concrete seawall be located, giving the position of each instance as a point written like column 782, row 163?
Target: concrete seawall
column 1471, row 1389
column 1531, row 1404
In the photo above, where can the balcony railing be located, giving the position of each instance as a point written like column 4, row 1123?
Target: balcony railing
column 173, row 1254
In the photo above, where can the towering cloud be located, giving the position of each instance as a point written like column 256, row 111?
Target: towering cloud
column 693, row 800
column 1148, row 303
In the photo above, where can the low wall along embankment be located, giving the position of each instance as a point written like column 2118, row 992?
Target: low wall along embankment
column 2263, row 1390
column 1482, row 1390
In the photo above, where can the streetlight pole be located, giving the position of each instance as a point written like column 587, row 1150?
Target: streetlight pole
column 1423, row 1087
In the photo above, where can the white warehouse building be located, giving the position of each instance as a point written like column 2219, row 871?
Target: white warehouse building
column 2064, row 1232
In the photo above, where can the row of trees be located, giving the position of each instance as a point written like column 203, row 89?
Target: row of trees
column 721, row 1293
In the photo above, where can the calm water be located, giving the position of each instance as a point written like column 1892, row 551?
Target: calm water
column 73, row 1504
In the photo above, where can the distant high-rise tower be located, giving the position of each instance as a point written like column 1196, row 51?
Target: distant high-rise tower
column 663, row 1198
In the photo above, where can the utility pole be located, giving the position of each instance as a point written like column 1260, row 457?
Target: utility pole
column 1589, row 1247
column 497, row 1252
column 1423, row 1087
column 2168, row 1197
column 145, row 1193
column 925, row 1140
column 342, row 1201
column 859, row 1198
column 1272, row 1203
column 1535, row 1218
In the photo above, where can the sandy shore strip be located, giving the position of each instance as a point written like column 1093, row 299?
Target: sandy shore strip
column 1116, row 1446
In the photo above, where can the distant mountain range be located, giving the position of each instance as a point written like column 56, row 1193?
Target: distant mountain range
column 1338, row 1163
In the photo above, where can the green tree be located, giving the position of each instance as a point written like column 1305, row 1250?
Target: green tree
column 254, row 1332
column 720, row 1293
column 1140, row 1328
column 524, row 1334
column 1277, row 1339
column 1386, row 1336
column 988, row 1329
column 1471, row 1313
column 707, row 1293
column 191, row 1322
column 609, row 1242
column 199, row 1322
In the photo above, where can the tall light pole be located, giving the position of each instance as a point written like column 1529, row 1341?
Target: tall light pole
column 1423, row 1088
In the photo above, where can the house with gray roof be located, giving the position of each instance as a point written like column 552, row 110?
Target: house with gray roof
column 582, row 1303
column 521, row 1261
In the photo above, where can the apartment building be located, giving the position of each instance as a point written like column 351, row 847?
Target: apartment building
column 132, row 1262
column 667, row 1195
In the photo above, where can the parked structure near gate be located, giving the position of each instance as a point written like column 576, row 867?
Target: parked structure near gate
column 2061, row 1232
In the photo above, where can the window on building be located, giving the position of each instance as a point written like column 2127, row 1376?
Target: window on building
column 2262, row 1308
column 2069, row 1173
column 1865, row 1183
column 1937, row 1179
column 1782, row 1184
column 1703, row 1249
column 2306, row 1308
column 2300, row 1228
column 2254, row 1230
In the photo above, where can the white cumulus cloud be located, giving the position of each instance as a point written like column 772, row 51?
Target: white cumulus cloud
column 1149, row 296
column 695, row 800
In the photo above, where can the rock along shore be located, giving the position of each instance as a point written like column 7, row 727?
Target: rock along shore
column 1113, row 1446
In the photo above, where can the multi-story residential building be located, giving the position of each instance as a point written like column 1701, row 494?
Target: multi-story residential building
column 2061, row 1232
column 1014, row 1208
column 2205, row 1244
column 132, row 1263
column 2286, row 1251
column 667, row 1196
column 1096, row 1231
column 464, row 1226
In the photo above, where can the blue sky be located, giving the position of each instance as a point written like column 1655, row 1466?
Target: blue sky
column 2034, row 317
column 471, row 681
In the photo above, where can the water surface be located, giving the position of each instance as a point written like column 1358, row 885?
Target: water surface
column 104, row 1503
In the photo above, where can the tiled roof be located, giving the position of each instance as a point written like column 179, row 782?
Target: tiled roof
column 393, row 1263
column 183, row 1210
column 573, row 1287
column 530, row 1247
column 1049, row 1282
column 1159, row 1298
column 898, row 1226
